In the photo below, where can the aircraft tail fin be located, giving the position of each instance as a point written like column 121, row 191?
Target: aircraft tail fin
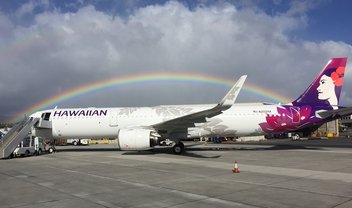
column 326, row 88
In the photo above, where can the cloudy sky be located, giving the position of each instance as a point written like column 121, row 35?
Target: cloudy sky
column 48, row 47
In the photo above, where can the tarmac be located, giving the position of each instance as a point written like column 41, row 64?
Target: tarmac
column 275, row 173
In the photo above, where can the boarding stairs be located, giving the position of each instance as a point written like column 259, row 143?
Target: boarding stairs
column 14, row 137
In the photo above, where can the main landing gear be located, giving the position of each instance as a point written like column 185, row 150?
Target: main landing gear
column 178, row 148
column 296, row 136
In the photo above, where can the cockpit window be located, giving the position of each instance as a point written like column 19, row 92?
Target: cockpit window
column 46, row 116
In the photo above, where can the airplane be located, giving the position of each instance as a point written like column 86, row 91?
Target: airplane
column 142, row 128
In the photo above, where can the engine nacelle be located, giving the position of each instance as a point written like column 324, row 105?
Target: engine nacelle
column 137, row 139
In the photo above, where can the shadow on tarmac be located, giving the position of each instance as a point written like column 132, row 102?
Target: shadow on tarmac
column 188, row 150
column 249, row 148
column 199, row 147
column 169, row 151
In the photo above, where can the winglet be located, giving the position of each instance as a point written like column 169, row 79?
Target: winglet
column 231, row 96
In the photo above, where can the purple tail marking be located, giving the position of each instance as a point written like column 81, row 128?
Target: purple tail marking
column 325, row 90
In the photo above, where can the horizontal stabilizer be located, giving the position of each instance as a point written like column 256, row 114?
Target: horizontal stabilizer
column 336, row 113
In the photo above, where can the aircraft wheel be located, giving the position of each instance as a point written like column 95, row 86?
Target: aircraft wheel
column 296, row 137
column 51, row 150
column 179, row 148
column 26, row 154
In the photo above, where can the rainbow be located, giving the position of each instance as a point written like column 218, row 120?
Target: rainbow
column 152, row 77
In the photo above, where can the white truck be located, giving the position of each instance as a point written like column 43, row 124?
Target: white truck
column 78, row 141
column 29, row 146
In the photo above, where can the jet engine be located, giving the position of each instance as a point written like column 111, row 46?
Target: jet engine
column 137, row 139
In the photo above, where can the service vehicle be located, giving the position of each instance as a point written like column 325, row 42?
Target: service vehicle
column 29, row 146
column 78, row 141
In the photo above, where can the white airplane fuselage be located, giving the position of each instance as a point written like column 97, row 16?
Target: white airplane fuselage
column 106, row 122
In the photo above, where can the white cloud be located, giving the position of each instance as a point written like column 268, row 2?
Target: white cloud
column 61, row 50
column 29, row 7
column 6, row 29
column 300, row 7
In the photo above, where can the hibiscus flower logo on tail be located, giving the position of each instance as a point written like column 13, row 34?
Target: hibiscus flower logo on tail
column 337, row 76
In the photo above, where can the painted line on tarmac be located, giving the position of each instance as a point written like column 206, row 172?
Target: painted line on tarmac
column 325, row 150
column 191, row 196
column 292, row 172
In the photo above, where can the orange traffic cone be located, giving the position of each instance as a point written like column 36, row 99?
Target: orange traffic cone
column 236, row 170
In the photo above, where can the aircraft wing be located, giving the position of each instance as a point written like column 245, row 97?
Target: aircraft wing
column 189, row 120
column 336, row 113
